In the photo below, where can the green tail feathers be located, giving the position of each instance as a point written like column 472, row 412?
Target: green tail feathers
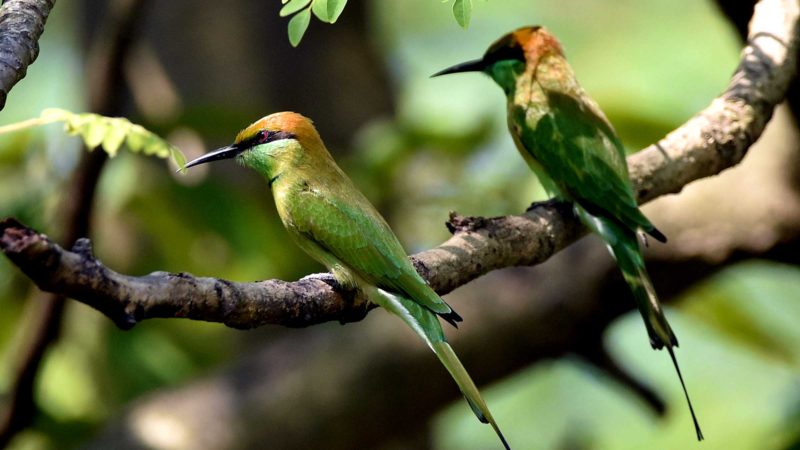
column 426, row 324
column 453, row 365
column 624, row 245
column 631, row 263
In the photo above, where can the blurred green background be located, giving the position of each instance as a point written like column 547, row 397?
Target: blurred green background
column 418, row 147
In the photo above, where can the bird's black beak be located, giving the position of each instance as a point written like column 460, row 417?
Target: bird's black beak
column 470, row 66
column 228, row 152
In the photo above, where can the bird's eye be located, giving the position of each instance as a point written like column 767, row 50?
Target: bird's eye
column 262, row 136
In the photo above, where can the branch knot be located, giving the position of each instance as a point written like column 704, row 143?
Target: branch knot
column 457, row 223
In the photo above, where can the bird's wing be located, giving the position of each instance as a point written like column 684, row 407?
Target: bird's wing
column 580, row 151
column 349, row 227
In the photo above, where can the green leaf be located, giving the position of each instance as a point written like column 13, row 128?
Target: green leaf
column 156, row 146
column 137, row 138
column 328, row 10
column 115, row 136
column 298, row 26
column 462, row 10
column 293, row 6
column 94, row 130
column 320, row 9
column 141, row 140
column 177, row 157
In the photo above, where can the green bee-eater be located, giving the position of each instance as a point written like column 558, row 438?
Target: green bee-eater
column 569, row 143
column 329, row 218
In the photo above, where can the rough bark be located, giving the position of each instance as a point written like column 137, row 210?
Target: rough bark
column 359, row 387
column 21, row 25
column 715, row 139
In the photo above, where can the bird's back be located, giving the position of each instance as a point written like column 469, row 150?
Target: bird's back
column 566, row 134
column 336, row 224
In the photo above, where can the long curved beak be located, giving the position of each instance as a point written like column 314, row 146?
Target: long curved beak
column 470, row 66
column 223, row 153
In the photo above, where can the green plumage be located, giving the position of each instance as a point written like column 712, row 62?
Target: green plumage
column 567, row 140
column 576, row 147
column 335, row 224
column 344, row 224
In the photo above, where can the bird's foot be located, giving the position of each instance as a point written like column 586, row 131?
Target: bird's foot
column 549, row 203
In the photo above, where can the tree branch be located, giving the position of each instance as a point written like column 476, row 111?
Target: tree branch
column 358, row 387
column 21, row 25
column 715, row 139
column 127, row 300
column 43, row 322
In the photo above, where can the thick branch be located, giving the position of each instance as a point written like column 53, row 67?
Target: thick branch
column 359, row 387
column 126, row 299
column 718, row 137
column 21, row 25
column 715, row 139
column 304, row 391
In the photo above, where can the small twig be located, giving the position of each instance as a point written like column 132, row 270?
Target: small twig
column 17, row 126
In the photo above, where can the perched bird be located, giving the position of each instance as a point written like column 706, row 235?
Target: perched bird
column 332, row 221
column 569, row 143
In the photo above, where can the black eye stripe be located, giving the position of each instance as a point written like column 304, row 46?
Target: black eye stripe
column 278, row 135
column 504, row 53
column 265, row 136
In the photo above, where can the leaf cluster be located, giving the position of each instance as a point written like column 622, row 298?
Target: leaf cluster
column 109, row 133
column 328, row 11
